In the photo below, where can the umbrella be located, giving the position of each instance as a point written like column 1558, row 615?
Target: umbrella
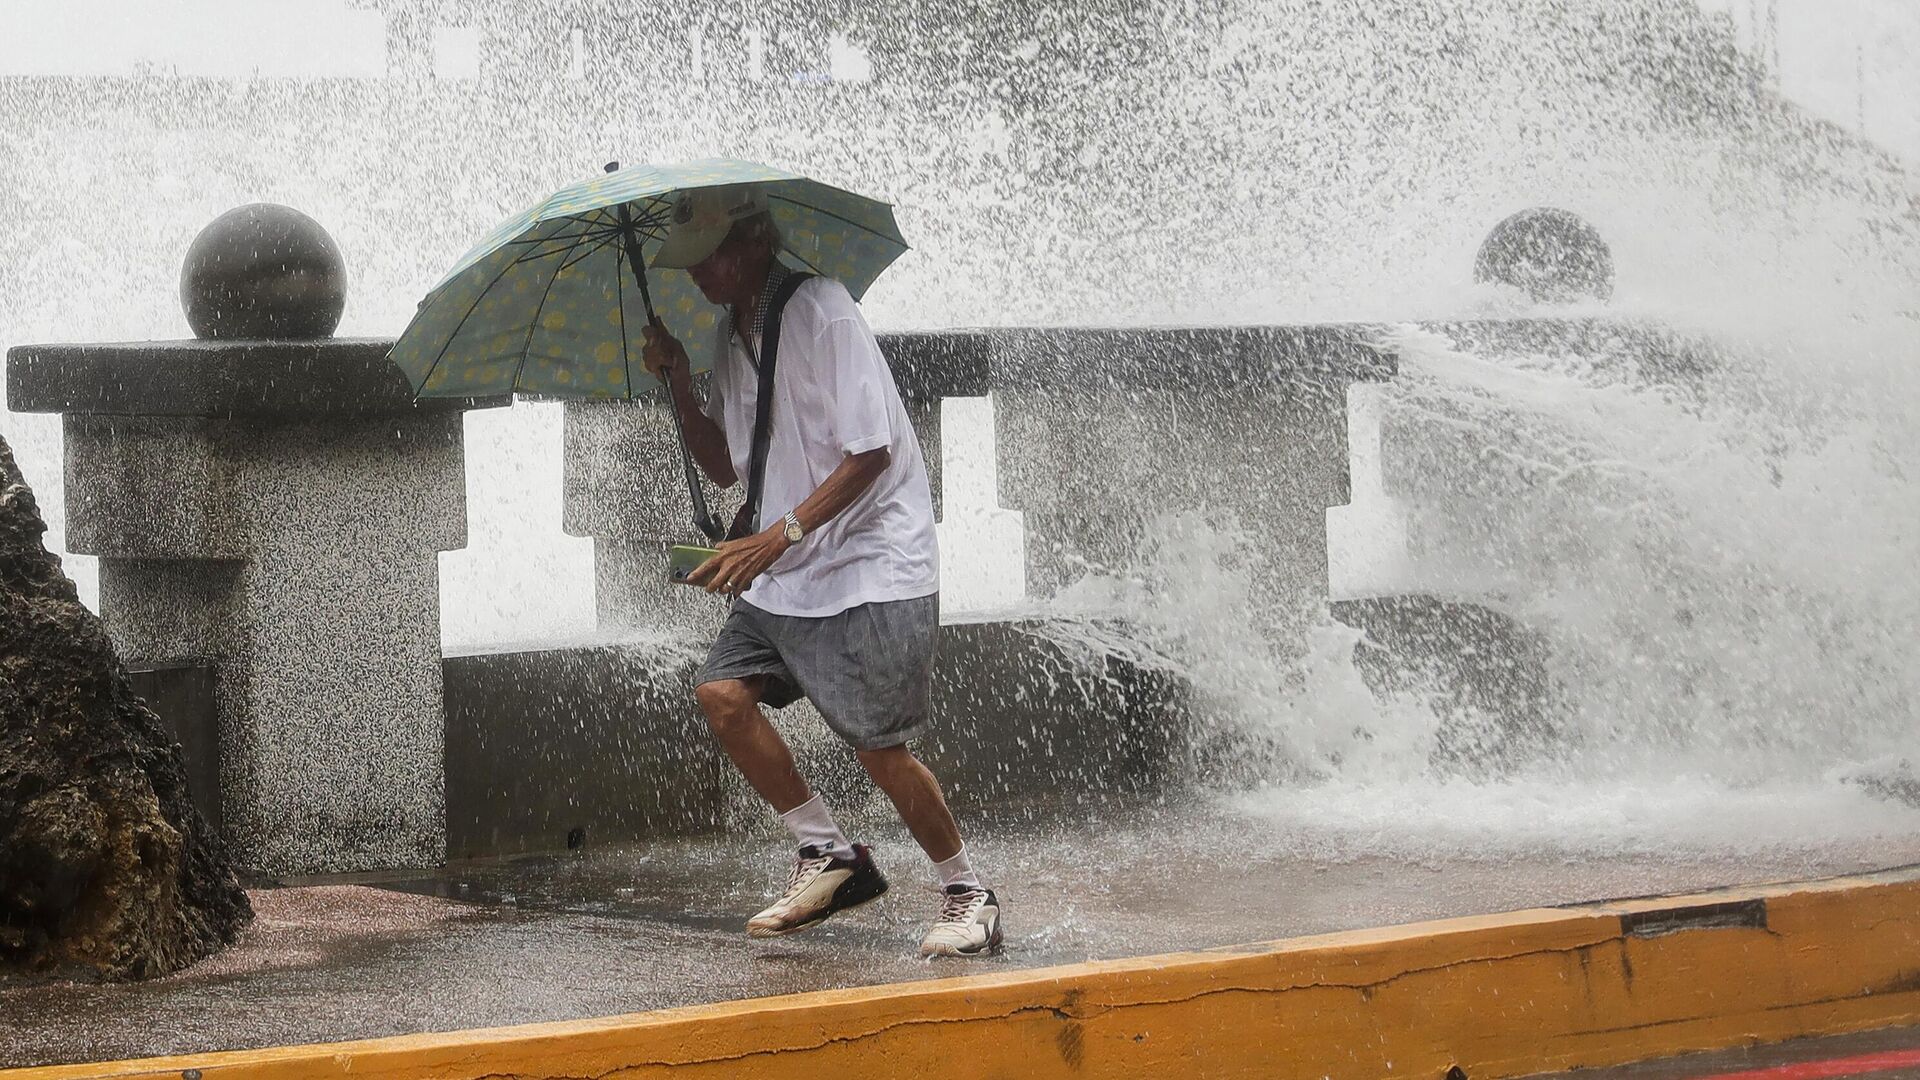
column 554, row 300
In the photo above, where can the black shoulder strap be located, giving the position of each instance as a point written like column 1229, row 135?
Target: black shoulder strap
column 748, row 520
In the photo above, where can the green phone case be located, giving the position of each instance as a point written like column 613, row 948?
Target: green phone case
column 682, row 560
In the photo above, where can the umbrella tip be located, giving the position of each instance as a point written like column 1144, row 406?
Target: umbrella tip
column 611, row 166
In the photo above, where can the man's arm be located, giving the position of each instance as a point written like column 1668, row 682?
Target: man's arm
column 848, row 481
column 666, row 360
column 704, row 437
column 742, row 560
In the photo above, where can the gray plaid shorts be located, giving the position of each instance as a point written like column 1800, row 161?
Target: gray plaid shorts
column 869, row 669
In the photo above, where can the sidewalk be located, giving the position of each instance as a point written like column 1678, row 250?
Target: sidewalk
column 610, row 932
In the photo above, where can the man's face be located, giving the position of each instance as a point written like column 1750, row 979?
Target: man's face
column 721, row 275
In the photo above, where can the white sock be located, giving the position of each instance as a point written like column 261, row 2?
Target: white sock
column 957, row 871
column 811, row 823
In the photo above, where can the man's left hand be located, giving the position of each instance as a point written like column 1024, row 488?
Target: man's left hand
column 738, row 562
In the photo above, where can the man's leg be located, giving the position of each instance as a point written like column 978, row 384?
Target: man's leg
column 733, row 712
column 762, row 756
column 916, row 795
column 969, row 921
column 831, row 874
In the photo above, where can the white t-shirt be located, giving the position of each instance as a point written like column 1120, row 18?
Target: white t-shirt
column 833, row 396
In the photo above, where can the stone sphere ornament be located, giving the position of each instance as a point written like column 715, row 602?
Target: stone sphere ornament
column 263, row 271
column 1554, row 255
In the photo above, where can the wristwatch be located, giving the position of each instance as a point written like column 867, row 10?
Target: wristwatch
column 794, row 531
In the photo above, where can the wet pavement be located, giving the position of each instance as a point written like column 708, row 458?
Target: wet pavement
column 614, row 931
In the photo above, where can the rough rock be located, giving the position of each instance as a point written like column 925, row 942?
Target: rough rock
column 106, row 868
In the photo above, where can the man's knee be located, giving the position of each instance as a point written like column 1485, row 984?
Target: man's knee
column 889, row 762
column 727, row 702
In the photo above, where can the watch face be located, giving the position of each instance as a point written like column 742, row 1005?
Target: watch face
column 793, row 532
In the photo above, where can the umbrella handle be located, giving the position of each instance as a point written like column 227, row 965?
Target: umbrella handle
column 703, row 518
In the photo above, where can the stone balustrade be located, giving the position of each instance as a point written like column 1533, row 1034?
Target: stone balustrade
column 1098, row 432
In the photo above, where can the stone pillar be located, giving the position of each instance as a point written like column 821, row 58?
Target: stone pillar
column 1103, row 434
column 277, row 507
column 624, row 486
column 296, row 546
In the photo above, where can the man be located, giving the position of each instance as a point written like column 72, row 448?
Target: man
column 836, row 597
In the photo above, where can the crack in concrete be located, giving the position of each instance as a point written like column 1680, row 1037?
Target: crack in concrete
column 1652, row 1025
column 1075, row 1010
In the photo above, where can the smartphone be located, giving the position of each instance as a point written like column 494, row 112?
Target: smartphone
column 683, row 559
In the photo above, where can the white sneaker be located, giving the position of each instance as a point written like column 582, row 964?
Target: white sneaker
column 818, row 887
column 969, row 924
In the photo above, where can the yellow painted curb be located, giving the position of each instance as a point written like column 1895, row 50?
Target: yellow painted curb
column 1499, row 995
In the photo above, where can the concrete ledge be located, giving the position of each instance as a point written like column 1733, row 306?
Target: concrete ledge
column 1070, row 361
column 260, row 380
column 934, row 364
column 1499, row 995
column 553, row 748
column 559, row 747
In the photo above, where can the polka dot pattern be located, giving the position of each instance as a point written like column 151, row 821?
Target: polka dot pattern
column 546, row 304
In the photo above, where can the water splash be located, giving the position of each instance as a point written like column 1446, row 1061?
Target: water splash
column 1720, row 570
column 1724, row 567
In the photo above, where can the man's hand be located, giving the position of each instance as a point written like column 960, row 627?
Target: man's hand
column 738, row 562
column 666, row 359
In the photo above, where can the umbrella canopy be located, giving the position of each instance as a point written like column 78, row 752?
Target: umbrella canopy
column 549, row 303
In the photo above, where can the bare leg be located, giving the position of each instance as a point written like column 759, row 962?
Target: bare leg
column 733, row 712
column 916, row 795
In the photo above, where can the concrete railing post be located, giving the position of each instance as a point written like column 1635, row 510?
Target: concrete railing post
column 278, row 507
column 1103, row 433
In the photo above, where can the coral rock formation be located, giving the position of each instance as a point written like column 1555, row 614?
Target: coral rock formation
column 106, row 868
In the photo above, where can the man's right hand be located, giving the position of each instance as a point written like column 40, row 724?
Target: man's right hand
column 666, row 359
